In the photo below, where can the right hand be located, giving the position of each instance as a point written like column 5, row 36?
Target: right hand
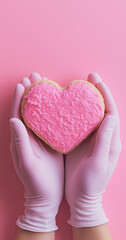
column 90, row 166
column 39, row 167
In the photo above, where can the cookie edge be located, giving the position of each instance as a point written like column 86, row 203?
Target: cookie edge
column 55, row 84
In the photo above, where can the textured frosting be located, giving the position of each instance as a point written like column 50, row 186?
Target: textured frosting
column 63, row 117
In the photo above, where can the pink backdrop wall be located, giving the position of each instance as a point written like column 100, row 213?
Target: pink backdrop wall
column 63, row 40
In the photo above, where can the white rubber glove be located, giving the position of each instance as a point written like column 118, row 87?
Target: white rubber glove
column 90, row 166
column 39, row 167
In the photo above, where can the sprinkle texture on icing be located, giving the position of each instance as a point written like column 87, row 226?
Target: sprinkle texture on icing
column 63, row 117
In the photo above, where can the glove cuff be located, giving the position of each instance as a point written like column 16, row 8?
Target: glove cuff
column 39, row 216
column 88, row 212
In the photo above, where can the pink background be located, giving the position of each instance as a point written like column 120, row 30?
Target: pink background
column 63, row 40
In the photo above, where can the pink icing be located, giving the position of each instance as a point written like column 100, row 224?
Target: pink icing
column 63, row 118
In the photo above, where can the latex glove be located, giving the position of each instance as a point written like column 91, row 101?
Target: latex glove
column 39, row 167
column 90, row 166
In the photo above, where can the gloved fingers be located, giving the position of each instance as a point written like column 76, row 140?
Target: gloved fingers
column 36, row 144
column 116, row 148
column 111, row 109
column 103, row 139
column 113, row 159
column 94, row 78
column 25, row 82
column 21, row 140
column 110, row 106
column 34, row 77
column 41, row 149
column 15, row 109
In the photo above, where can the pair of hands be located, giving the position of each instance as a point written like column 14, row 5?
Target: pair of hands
column 88, row 168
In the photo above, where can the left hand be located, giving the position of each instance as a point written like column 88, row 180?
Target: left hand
column 39, row 167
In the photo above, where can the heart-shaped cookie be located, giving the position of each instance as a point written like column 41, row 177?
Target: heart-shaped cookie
column 62, row 117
